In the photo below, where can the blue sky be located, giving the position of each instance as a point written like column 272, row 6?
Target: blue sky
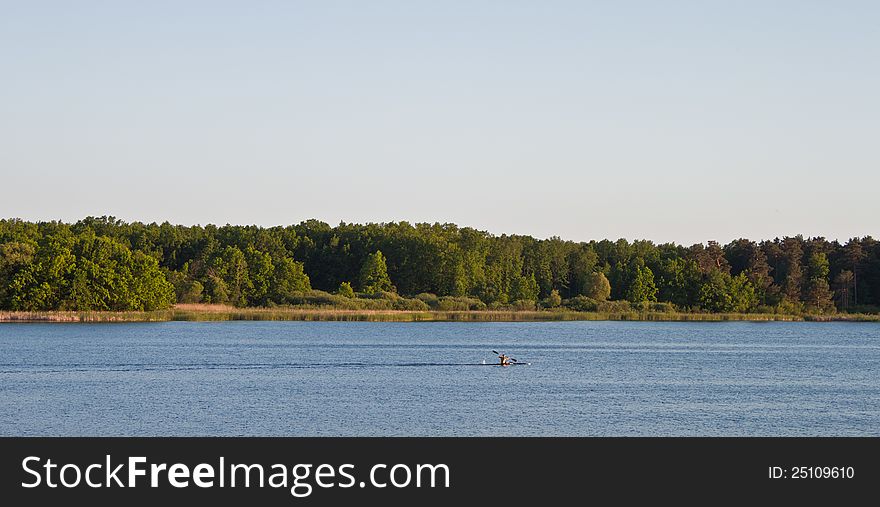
column 675, row 121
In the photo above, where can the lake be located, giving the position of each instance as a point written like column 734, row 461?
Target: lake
column 426, row 379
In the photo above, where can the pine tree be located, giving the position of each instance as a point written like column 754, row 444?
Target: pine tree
column 854, row 254
column 817, row 293
column 345, row 290
column 758, row 273
column 793, row 283
column 843, row 285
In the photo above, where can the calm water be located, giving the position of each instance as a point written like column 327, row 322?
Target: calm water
column 324, row 378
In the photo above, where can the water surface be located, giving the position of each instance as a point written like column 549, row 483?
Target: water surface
column 415, row 379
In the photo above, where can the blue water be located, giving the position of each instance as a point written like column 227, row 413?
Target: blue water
column 424, row 379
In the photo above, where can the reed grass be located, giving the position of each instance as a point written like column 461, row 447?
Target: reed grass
column 200, row 312
column 64, row 316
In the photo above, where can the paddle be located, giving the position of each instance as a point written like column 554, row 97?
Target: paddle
column 511, row 358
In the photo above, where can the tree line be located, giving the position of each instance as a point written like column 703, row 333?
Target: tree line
column 107, row 264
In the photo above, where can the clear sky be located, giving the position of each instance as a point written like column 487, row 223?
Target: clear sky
column 675, row 121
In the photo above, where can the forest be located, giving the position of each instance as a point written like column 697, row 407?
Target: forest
column 108, row 264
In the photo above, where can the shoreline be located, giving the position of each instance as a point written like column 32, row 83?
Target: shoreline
column 209, row 313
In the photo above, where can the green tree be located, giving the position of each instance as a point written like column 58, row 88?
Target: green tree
column 714, row 293
column 743, row 297
column 524, row 288
column 792, row 285
column 231, row 267
column 43, row 284
column 15, row 256
column 721, row 292
column 642, row 287
column 104, row 263
column 597, row 287
column 374, row 274
column 261, row 273
column 853, row 256
column 710, row 257
column 553, row 300
column 758, row 272
column 149, row 288
column 817, row 293
column 288, row 281
column 216, row 289
column 582, row 263
column 843, row 285
column 345, row 290
column 108, row 276
column 191, row 292
column 680, row 280
column 186, row 289
column 503, row 270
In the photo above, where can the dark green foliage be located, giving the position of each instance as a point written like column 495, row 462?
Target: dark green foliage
column 817, row 293
column 622, row 306
column 411, row 305
column 747, row 257
column 429, row 299
column 581, row 304
column 524, row 288
column 232, row 268
column 51, row 278
column 790, row 268
column 679, row 282
column 64, row 271
column 724, row 293
column 523, row 305
column 104, row 263
column 15, row 256
column 662, row 307
column 844, row 284
column 288, row 281
column 190, row 291
column 452, row 303
column 710, row 258
column 582, row 262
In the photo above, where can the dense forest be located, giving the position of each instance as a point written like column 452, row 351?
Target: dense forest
column 107, row 264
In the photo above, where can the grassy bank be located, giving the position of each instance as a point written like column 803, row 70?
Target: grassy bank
column 228, row 313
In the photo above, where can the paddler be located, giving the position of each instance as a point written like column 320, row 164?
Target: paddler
column 505, row 360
